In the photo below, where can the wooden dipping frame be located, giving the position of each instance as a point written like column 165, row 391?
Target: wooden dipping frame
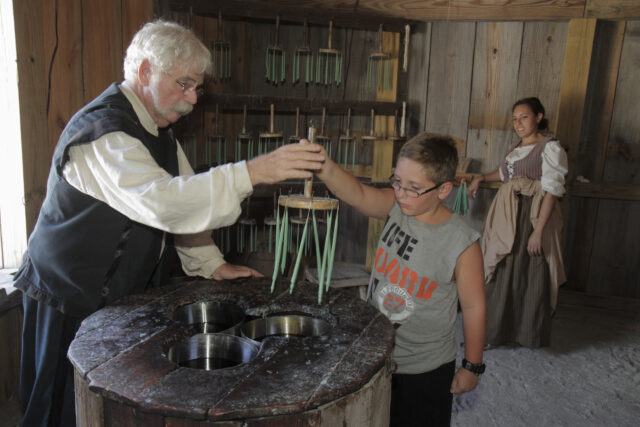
column 308, row 202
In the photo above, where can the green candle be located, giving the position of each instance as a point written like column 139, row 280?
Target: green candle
column 277, row 249
column 333, row 250
column 285, row 241
column 318, row 262
column 299, row 257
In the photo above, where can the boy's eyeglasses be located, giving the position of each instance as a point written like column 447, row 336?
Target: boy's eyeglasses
column 395, row 184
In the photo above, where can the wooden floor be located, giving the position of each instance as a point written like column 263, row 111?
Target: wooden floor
column 588, row 376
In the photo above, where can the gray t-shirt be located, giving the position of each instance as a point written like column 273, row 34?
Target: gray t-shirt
column 412, row 286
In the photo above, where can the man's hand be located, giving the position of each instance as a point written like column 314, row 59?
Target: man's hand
column 291, row 161
column 231, row 271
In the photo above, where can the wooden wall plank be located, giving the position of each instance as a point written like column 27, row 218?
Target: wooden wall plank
column 625, row 126
column 383, row 149
column 493, row 91
column 63, row 50
column 593, row 148
column 102, row 60
column 417, row 93
column 573, row 89
column 541, row 62
column 13, row 227
column 135, row 13
column 613, row 267
column 32, row 66
column 611, row 271
column 450, row 71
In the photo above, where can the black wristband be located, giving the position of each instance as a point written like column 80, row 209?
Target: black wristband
column 474, row 368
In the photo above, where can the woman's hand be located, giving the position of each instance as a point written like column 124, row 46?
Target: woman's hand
column 472, row 189
column 534, row 245
column 463, row 381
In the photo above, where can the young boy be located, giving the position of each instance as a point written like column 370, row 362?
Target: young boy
column 427, row 258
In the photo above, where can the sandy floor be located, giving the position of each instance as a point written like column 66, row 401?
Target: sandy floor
column 589, row 376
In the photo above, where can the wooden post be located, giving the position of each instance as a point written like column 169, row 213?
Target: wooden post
column 383, row 148
column 573, row 92
column 573, row 89
column 607, row 53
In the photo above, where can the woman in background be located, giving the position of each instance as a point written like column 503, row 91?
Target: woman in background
column 521, row 239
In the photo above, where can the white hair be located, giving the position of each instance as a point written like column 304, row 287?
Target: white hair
column 163, row 43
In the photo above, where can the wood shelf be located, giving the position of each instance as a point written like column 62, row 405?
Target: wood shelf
column 289, row 104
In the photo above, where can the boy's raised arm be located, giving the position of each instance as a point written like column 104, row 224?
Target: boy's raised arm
column 370, row 201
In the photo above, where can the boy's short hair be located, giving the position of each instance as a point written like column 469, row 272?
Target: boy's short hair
column 437, row 154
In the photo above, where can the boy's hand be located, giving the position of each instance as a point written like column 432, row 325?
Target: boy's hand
column 463, row 381
column 322, row 168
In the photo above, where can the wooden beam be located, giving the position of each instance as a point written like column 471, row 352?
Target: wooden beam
column 606, row 191
column 612, row 9
column 492, row 10
column 316, row 12
column 368, row 14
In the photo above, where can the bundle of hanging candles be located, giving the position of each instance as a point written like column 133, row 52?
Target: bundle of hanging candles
column 461, row 204
column 324, row 258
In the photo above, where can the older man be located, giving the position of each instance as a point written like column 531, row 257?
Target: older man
column 119, row 186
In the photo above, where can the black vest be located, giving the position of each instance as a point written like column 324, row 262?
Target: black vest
column 82, row 253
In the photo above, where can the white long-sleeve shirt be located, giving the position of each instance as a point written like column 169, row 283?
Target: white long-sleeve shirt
column 119, row 171
column 554, row 165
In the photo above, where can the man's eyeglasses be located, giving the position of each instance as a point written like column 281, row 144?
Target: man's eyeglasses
column 188, row 86
column 395, row 184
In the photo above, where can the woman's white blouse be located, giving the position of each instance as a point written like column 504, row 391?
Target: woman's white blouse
column 554, row 166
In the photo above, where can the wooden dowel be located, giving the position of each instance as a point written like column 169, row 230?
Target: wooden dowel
column 308, row 183
column 273, row 112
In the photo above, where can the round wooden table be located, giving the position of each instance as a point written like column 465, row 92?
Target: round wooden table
column 123, row 376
